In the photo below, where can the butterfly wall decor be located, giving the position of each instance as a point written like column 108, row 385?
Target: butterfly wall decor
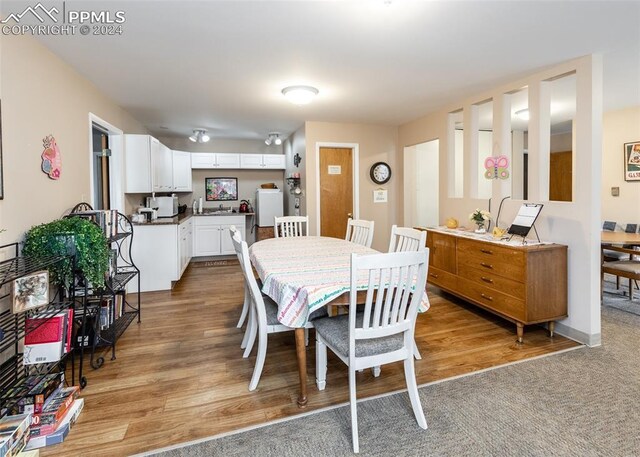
column 496, row 167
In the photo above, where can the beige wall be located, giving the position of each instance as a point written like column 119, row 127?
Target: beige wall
column 575, row 224
column 42, row 95
column 376, row 143
column 622, row 126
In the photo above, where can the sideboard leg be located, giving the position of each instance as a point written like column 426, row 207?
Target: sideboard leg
column 552, row 328
column 520, row 330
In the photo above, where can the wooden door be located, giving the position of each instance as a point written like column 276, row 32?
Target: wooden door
column 560, row 176
column 336, row 190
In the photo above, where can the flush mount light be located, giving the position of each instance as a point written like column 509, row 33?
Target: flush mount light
column 199, row 136
column 523, row 114
column 300, row 95
column 274, row 137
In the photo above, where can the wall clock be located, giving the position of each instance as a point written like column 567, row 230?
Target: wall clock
column 380, row 172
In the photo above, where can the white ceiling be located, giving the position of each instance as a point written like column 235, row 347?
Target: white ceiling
column 220, row 65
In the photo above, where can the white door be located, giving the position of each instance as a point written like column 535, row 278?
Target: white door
column 421, row 184
column 228, row 160
column 154, row 146
column 203, row 160
column 251, row 160
column 226, row 246
column 273, row 161
column 182, row 171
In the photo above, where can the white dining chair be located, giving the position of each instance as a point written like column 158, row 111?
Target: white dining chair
column 360, row 232
column 246, row 306
column 383, row 332
column 291, row 226
column 406, row 239
column 263, row 315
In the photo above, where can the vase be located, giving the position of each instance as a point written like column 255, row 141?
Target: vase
column 480, row 228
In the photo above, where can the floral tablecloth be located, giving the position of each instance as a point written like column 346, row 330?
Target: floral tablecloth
column 303, row 274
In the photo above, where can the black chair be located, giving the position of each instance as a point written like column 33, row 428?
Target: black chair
column 609, row 226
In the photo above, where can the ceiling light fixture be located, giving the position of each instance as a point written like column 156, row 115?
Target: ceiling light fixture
column 300, row 95
column 523, row 114
column 274, row 137
column 199, row 136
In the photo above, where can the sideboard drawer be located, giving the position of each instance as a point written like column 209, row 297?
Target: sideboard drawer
column 440, row 278
column 492, row 299
column 489, row 279
column 490, row 252
column 491, row 264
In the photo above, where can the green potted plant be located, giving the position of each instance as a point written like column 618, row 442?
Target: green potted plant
column 72, row 235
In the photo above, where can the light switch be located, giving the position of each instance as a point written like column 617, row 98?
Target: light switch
column 615, row 191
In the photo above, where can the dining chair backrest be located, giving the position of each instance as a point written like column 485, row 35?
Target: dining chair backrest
column 360, row 232
column 609, row 226
column 391, row 306
column 242, row 251
column 291, row 226
column 406, row 239
column 631, row 228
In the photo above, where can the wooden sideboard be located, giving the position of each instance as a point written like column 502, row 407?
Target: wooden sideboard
column 524, row 284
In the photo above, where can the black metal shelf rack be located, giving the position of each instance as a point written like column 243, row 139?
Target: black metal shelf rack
column 13, row 372
column 114, row 289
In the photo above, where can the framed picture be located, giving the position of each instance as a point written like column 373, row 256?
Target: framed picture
column 632, row 161
column 221, row 189
column 31, row 291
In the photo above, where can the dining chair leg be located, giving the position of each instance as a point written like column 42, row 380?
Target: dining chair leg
column 412, row 389
column 252, row 328
column 321, row 364
column 247, row 330
column 354, row 410
column 245, row 307
column 262, row 354
column 630, row 289
column 416, row 351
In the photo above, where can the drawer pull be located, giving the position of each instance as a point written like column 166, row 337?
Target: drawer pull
column 486, row 265
column 486, row 297
column 486, row 251
column 489, row 280
column 434, row 275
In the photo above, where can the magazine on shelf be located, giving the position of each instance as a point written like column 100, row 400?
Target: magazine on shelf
column 61, row 432
column 33, row 394
column 14, row 433
column 47, row 337
column 53, row 411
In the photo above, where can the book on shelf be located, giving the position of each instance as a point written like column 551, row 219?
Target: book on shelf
column 106, row 219
column 14, row 433
column 31, row 396
column 47, row 338
column 61, row 432
column 53, row 411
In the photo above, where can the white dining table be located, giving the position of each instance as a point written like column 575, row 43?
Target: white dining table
column 304, row 274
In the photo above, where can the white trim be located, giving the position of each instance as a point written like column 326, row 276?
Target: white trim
column 355, row 147
column 115, row 163
column 340, row 405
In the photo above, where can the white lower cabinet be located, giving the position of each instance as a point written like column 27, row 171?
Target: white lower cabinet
column 211, row 234
column 162, row 252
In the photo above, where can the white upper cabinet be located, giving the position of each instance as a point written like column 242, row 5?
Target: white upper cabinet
column 262, row 161
column 139, row 163
column 182, row 181
column 215, row 160
column 162, row 168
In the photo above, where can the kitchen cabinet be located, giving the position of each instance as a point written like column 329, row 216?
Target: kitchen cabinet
column 211, row 234
column 162, row 253
column 148, row 165
column 182, row 181
column 207, row 160
column 140, row 153
column 162, row 169
column 185, row 251
column 262, row 161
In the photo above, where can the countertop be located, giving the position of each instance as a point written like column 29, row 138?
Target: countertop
column 180, row 218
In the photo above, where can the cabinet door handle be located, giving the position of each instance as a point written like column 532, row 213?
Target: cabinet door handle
column 486, row 251
column 489, row 280
column 486, row 265
column 434, row 275
column 486, row 297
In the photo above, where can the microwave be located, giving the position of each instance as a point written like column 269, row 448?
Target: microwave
column 167, row 206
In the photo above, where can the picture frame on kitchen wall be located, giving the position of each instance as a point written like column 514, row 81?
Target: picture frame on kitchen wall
column 632, row 161
column 221, row 189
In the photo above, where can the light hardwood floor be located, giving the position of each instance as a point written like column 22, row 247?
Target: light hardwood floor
column 180, row 375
